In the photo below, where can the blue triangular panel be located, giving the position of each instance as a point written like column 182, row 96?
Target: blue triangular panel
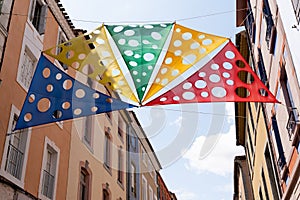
column 55, row 96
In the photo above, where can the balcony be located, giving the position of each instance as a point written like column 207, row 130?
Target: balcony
column 14, row 162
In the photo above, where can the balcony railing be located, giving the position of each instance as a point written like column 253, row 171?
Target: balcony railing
column 14, row 161
column 292, row 121
column 48, row 184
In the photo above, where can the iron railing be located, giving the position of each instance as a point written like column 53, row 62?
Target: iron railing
column 14, row 161
column 48, row 184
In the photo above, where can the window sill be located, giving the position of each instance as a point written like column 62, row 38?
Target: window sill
column 120, row 184
column 107, row 169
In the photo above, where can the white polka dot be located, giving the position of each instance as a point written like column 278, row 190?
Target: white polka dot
column 137, row 56
column 227, row 65
column 187, row 86
column 202, row 50
column 154, row 46
column 187, row 36
column 202, row 74
column 176, row 98
column 58, row 76
column 168, row 61
column 134, row 72
column 218, row 92
column 138, row 80
column 195, row 45
column 230, row 82
column 80, row 93
column 229, row 55
column 133, row 43
column 148, row 56
column 214, row 78
column 201, row 37
column 94, row 109
column 200, row 84
column 226, row 75
column 178, row 30
column 118, row 29
column 144, row 74
column 188, row 95
column 157, row 80
column 204, row 94
column 178, row 52
column 122, row 41
column 128, row 53
column 164, row 81
column 115, row 72
column 189, row 59
column 148, row 26
column 77, row 111
column 129, row 33
column 100, row 41
column 146, row 42
column 96, row 95
column 215, row 66
column 163, row 25
column 156, row 35
column 175, row 72
column 133, row 63
column 150, row 67
column 163, row 99
column 143, row 89
column 163, row 70
column 207, row 42
column 177, row 43
column 105, row 54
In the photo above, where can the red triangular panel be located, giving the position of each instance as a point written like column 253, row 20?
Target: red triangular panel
column 226, row 78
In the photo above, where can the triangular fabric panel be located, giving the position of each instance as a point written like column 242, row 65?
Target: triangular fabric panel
column 140, row 47
column 55, row 96
column 92, row 55
column 226, row 78
column 187, row 47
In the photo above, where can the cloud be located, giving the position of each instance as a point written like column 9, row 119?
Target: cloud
column 185, row 195
column 219, row 151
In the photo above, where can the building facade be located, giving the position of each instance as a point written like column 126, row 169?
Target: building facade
column 34, row 160
column 270, row 132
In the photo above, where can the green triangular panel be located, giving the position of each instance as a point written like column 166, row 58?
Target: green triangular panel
column 140, row 46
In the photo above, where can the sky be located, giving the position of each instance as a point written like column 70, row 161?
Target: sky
column 195, row 143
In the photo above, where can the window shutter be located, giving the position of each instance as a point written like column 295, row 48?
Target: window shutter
column 42, row 22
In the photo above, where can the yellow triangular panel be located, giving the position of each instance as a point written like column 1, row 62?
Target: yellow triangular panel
column 92, row 55
column 187, row 47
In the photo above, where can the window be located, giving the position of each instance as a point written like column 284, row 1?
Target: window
column 84, row 185
column 26, row 69
column 144, row 188
column 16, row 150
column 133, row 179
column 296, row 6
column 265, row 184
column 269, row 20
column 88, row 129
column 105, row 194
column 144, row 157
column 1, row 4
column 121, row 127
column 107, row 150
column 61, row 39
column 38, row 15
column 150, row 193
column 49, row 172
column 120, row 166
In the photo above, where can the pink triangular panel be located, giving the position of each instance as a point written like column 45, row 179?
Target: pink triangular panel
column 226, row 78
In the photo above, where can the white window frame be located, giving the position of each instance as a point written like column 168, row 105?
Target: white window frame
column 51, row 144
column 144, row 188
column 150, row 193
column 4, row 173
column 31, row 13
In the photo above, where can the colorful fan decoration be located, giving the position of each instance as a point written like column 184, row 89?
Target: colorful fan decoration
column 145, row 65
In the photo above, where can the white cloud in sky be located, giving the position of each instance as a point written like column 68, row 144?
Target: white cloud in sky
column 219, row 160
